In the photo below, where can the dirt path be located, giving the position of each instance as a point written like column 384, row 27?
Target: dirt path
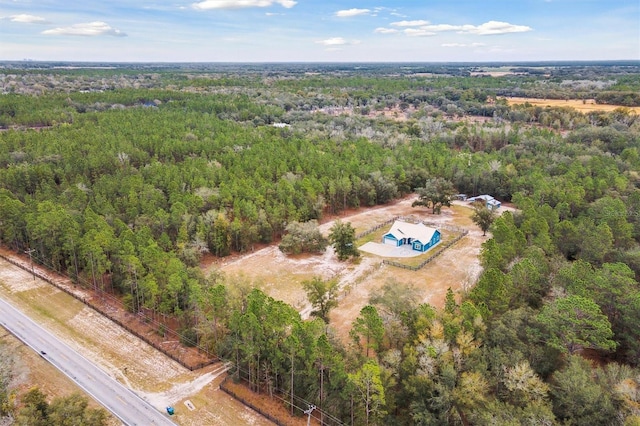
column 183, row 390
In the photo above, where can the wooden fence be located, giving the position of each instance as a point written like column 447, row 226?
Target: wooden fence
column 438, row 252
column 227, row 390
column 440, row 248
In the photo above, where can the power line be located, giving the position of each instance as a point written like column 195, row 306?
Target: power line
column 108, row 297
column 33, row 272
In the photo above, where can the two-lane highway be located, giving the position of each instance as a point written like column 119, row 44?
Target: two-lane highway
column 121, row 401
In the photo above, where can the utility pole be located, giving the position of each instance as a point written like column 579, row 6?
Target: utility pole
column 33, row 272
column 308, row 413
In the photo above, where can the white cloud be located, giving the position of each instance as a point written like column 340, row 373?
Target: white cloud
column 347, row 13
column 410, row 23
column 241, row 4
column 497, row 27
column 334, row 41
column 96, row 28
column 443, row 27
column 488, row 28
column 382, row 30
column 27, row 19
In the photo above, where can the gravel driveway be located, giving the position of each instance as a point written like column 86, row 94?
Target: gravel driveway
column 387, row 250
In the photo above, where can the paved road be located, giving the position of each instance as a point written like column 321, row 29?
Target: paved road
column 122, row 402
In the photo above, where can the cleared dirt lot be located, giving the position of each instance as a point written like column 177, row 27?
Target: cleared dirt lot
column 281, row 276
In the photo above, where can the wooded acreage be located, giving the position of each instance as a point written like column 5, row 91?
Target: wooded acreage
column 160, row 185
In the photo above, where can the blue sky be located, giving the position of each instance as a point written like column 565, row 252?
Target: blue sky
column 319, row 30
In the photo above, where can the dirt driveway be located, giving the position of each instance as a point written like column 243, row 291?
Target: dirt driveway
column 281, row 276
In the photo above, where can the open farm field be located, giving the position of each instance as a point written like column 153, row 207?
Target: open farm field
column 578, row 104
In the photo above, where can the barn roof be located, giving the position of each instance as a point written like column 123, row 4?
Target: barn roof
column 417, row 231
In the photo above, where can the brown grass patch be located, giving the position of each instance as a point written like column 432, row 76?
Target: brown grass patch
column 578, row 104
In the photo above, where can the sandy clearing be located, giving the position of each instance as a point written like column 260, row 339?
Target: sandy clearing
column 281, row 276
column 580, row 105
column 150, row 367
column 458, row 267
column 181, row 390
column 14, row 280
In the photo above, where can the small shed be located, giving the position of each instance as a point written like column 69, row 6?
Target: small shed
column 417, row 235
column 493, row 204
column 490, row 202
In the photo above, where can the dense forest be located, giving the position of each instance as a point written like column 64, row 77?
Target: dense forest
column 125, row 177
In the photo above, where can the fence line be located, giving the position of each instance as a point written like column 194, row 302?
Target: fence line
column 411, row 219
column 375, row 228
column 42, row 276
column 193, row 366
column 460, row 231
column 224, row 388
column 440, row 250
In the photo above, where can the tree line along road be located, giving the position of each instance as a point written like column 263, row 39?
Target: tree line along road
column 119, row 400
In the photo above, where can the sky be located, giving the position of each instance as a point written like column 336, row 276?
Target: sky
column 319, row 30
